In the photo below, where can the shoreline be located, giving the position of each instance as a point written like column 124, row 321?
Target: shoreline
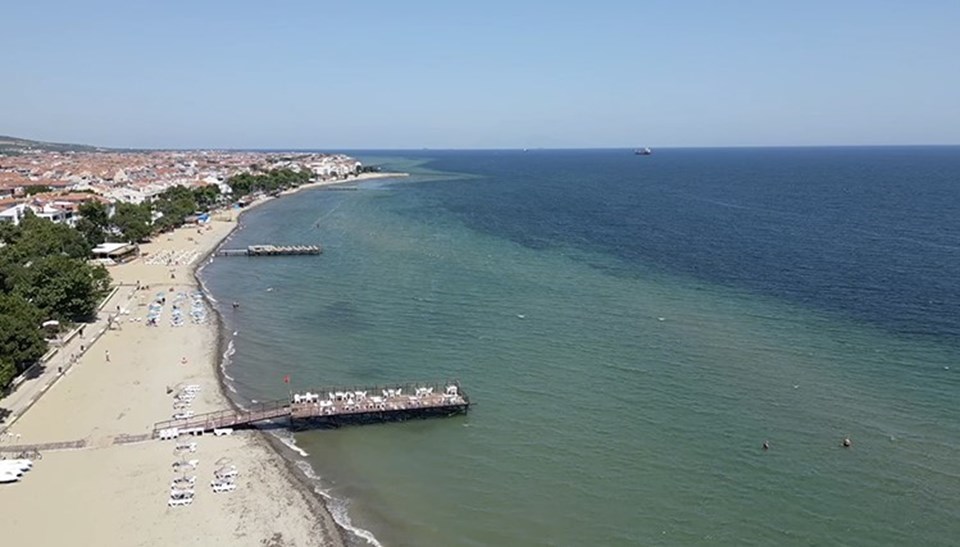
column 288, row 457
column 114, row 394
column 273, row 447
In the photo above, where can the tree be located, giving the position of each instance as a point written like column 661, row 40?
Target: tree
column 94, row 234
column 44, row 274
column 41, row 237
column 132, row 221
column 21, row 342
column 206, row 196
column 62, row 288
column 36, row 189
column 96, row 212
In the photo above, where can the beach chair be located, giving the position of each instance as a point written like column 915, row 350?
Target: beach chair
column 6, row 477
column 183, row 482
column 224, row 487
column 192, row 447
column 23, row 465
column 176, row 502
column 226, row 473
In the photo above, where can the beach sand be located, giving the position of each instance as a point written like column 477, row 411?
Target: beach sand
column 113, row 492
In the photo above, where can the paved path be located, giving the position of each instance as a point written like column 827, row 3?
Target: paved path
column 24, row 395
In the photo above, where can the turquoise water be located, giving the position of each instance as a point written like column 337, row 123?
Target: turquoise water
column 619, row 400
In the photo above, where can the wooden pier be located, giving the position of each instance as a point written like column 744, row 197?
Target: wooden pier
column 333, row 407
column 272, row 250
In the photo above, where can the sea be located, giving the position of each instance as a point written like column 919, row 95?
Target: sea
column 631, row 330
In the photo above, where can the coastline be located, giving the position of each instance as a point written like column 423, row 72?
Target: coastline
column 285, row 455
column 109, row 401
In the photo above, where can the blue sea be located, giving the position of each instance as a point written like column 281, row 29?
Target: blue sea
column 631, row 329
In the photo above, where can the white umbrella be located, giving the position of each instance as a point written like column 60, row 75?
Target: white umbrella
column 51, row 323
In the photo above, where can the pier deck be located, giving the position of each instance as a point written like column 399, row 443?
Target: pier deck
column 337, row 406
column 272, row 250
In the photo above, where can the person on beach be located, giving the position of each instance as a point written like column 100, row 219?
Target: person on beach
column 81, row 331
column 107, row 354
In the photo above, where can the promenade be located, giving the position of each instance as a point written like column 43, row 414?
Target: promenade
column 59, row 361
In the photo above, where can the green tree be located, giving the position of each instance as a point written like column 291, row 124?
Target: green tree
column 41, row 237
column 94, row 234
column 62, row 288
column 132, row 221
column 96, row 212
column 21, row 341
column 206, row 197
column 36, row 189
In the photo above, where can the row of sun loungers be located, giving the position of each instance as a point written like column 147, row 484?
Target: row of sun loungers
column 170, row 257
column 183, row 400
column 183, row 487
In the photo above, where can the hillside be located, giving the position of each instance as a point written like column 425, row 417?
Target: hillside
column 14, row 145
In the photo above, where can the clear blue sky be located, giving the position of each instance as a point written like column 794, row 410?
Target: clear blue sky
column 490, row 74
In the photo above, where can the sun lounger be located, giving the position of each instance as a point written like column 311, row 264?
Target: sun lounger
column 22, row 465
column 183, row 415
column 175, row 502
column 223, row 431
column 182, row 464
column 16, row 471
column 226, row 473
column 224, row 487
column 8, row 477
column 183, row 482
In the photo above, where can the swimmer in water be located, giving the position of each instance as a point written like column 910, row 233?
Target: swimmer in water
column 847, row 443
column 766, row 445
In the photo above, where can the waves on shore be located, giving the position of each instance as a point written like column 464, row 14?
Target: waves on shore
column 338, row 508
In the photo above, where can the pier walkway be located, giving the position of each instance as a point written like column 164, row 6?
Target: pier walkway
column 335, row 407
column 272, row 250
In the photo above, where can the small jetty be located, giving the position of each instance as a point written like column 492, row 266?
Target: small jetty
column 272, row 250
column 333, row 407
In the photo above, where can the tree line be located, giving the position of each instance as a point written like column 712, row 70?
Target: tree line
column 45, row 269
column 45, row 274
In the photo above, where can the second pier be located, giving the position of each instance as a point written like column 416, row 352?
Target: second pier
column 272, row 250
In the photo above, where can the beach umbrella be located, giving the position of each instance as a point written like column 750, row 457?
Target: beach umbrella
column 50, row 323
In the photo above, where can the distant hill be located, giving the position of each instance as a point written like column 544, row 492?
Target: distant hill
column 14, row 145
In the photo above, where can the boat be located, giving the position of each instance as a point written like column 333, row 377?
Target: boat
column 643, row 152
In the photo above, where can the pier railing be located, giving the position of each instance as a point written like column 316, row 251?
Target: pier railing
column 269, row 410
column 403, row 399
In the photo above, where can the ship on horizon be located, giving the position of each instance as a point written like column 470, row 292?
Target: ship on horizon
column 643, row 152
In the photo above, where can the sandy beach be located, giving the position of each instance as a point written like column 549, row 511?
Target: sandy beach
column 113, row 491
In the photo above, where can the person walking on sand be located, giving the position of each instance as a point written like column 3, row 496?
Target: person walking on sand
column 108, row 355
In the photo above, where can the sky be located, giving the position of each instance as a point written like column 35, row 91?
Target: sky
column 493, row 74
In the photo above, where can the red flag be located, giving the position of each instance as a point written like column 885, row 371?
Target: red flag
column 286, row 379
